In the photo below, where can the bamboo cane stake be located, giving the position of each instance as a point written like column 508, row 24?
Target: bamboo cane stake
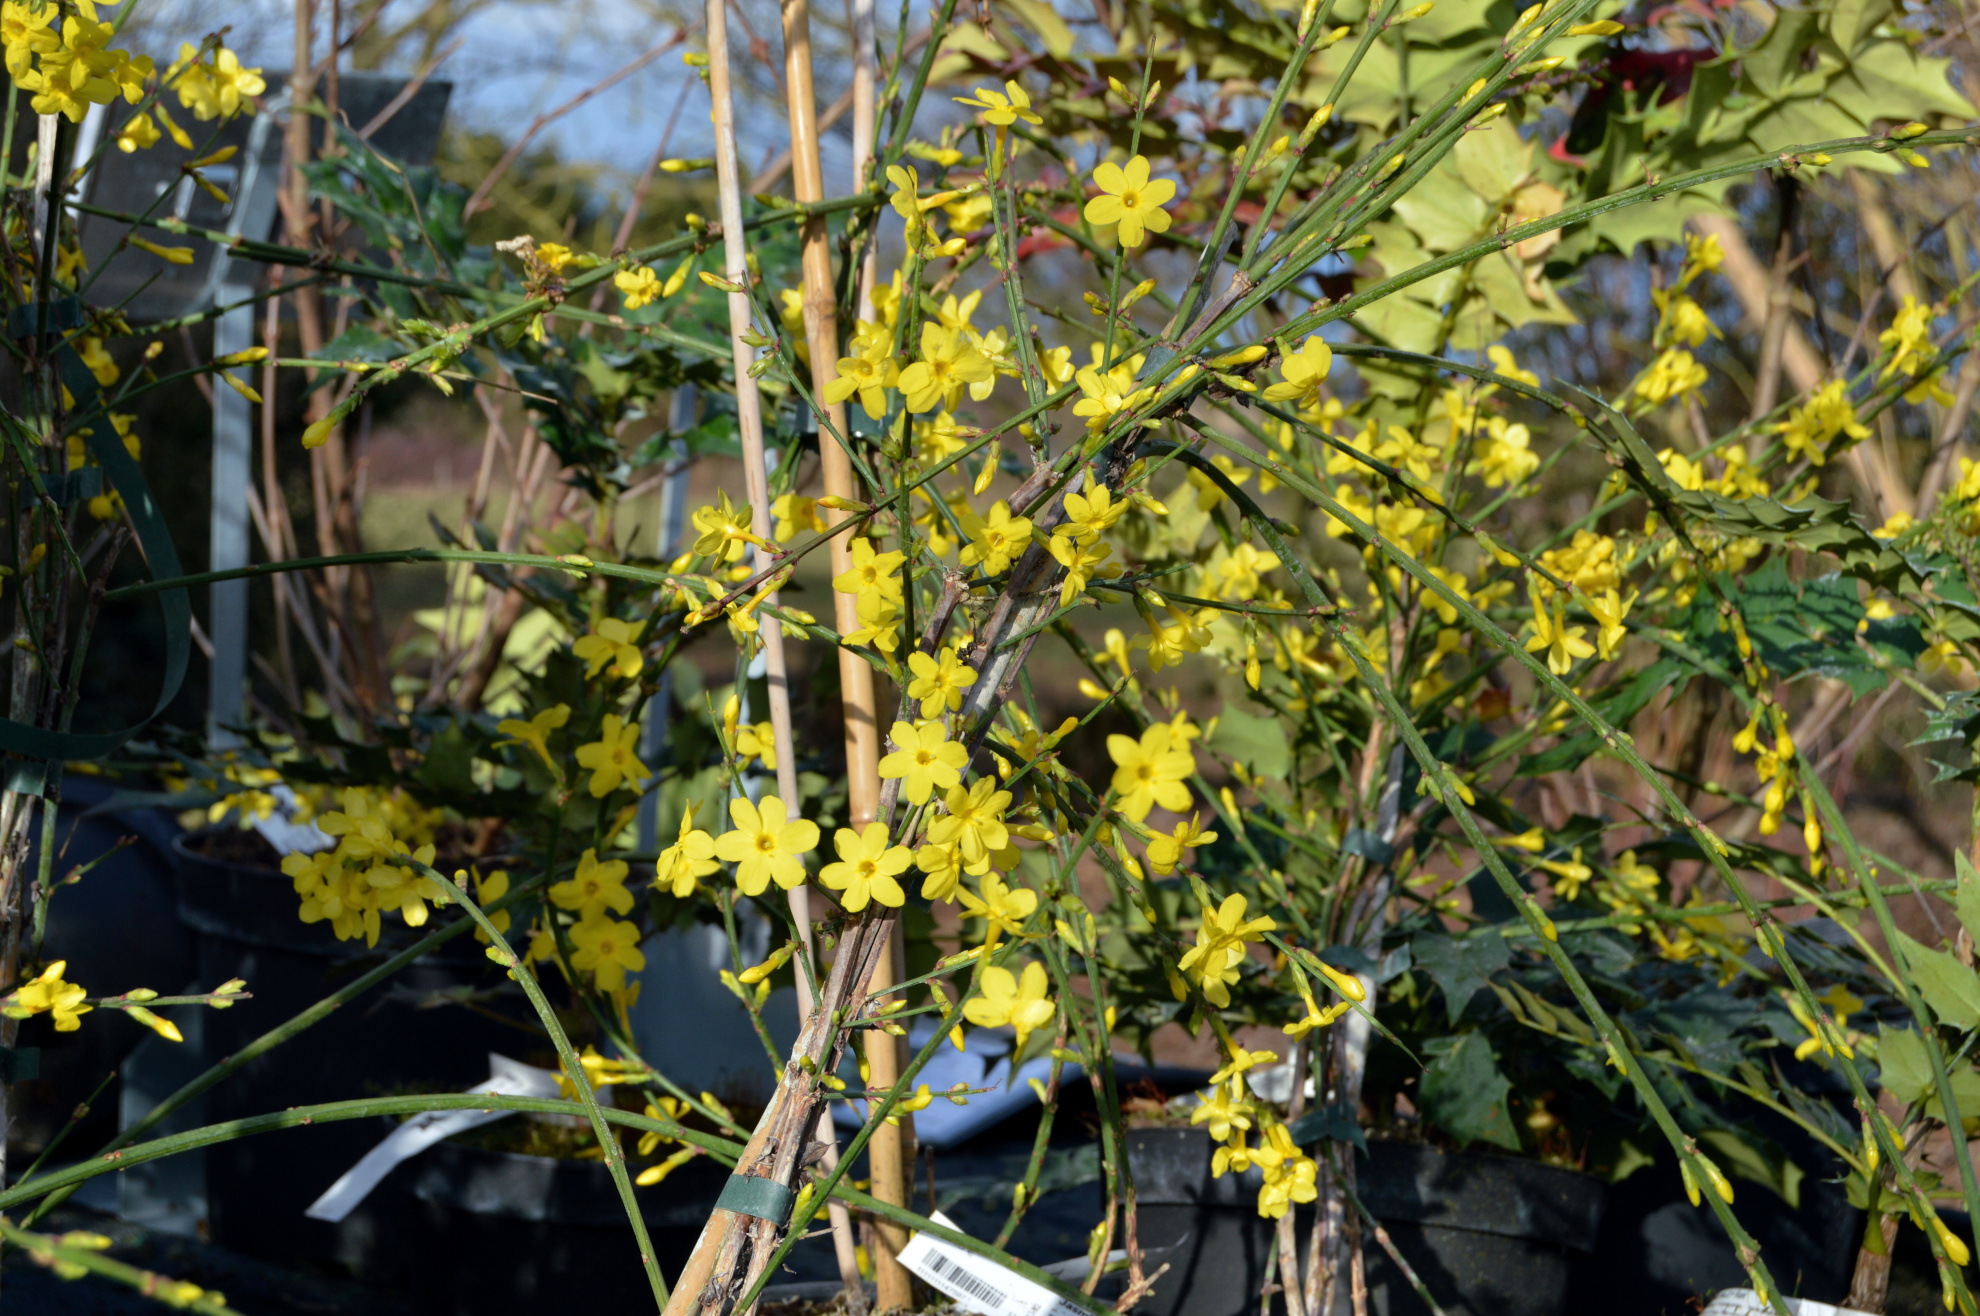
column 885, row 1055
column 886, row 1151
column 749, row 420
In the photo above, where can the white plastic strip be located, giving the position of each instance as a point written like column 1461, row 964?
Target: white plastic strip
column 508, row 1078
column 978, row 1284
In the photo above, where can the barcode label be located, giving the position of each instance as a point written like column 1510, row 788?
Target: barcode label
column 959, row 1283
column 977, row 1283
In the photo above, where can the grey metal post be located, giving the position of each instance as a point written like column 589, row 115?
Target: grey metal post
column 227, row 601
column 673, row 515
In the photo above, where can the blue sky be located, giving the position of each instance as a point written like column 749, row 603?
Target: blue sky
column 518, row 58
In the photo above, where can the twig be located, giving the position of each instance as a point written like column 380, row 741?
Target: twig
column 479, row 200
column 410, row 90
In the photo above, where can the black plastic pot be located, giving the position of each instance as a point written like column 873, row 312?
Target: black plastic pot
column 504, row 1234
column 117, row 931
column 407, row 1035
column 1657, row 1252
column 1488, row 1235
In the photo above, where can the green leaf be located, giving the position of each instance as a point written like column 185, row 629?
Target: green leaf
column 1903, row 1068
column 1949, row 987
column 1257, row 742
column 1464, row 1094
column 1759, row 1160
column 1460, row 965
column 1966, row 896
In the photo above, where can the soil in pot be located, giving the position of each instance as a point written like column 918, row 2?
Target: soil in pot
column 1488, row 1235
column 429, row 1029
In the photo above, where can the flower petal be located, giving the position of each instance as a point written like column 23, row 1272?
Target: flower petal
column 1108, row 177
column 1104, row 210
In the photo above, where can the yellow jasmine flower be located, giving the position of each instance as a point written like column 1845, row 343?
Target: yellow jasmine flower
column 1105, row 397
column 1562, row 644
column 867, row 868
column 606, row 948
column 613, row 757
column 1082, row 565
column 1001, row 111
column 640, row 286
column 1303, row 373
column 1150, row 772
column 974, row 822
column 949, row 361
column 1166, row 850
column 1569, row 874
column 1909, row 339
column 871, row 572
column 795, row 513
column 1003, row 908
column 943, row 866
column 996, row 540
column 691, row 856
column 1005, row 1000
column 725, row 531
column 939, row 682
column 924, row 759
column 48, row 994
column 611, row 641
column 765, row 846
column 595, row 888
column 1225, row 1110
column 535, row 733
column 1130, row 199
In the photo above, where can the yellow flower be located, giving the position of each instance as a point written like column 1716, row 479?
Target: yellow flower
column 994, row 540
column 1569, row 874
column 1224, row 1109
column 1562, row 644
column 949, row 361
column 1682, row 319
column 924, row 759
column 867, row 868
column 214, row 90
column 48, row 994
column 606, row 948
column 1092, row 513
column 1004, row 1000
column 1165, row 851
column 943, row 866
column 1082, row 565
column 1909, row 339
column 595, row 888
column 1672, row 375
column 641, row 286
column 1609, row 608
column 1894, row 525
column 870, row 371
column 1001, row 111
column 1003, row 908
column 535, row 733
column 1212, row 963
column 1827, row 413
column 139, row 133
column 974, row 822
column 939, row 682
column 794, row 513
column 765, row 846
column 725, row 531
column 691, row 856
column 1130, row 199
column 1105, row 398
column 871, row 572
column 1303, row 373
column 1150, row 772
column 1502, row 454
column 488, row 890
column 611, row 641
column 613, row 757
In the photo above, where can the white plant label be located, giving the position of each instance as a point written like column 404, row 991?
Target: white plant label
column 1745, row 1302
column 978, row 1284
column 506, row 1077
